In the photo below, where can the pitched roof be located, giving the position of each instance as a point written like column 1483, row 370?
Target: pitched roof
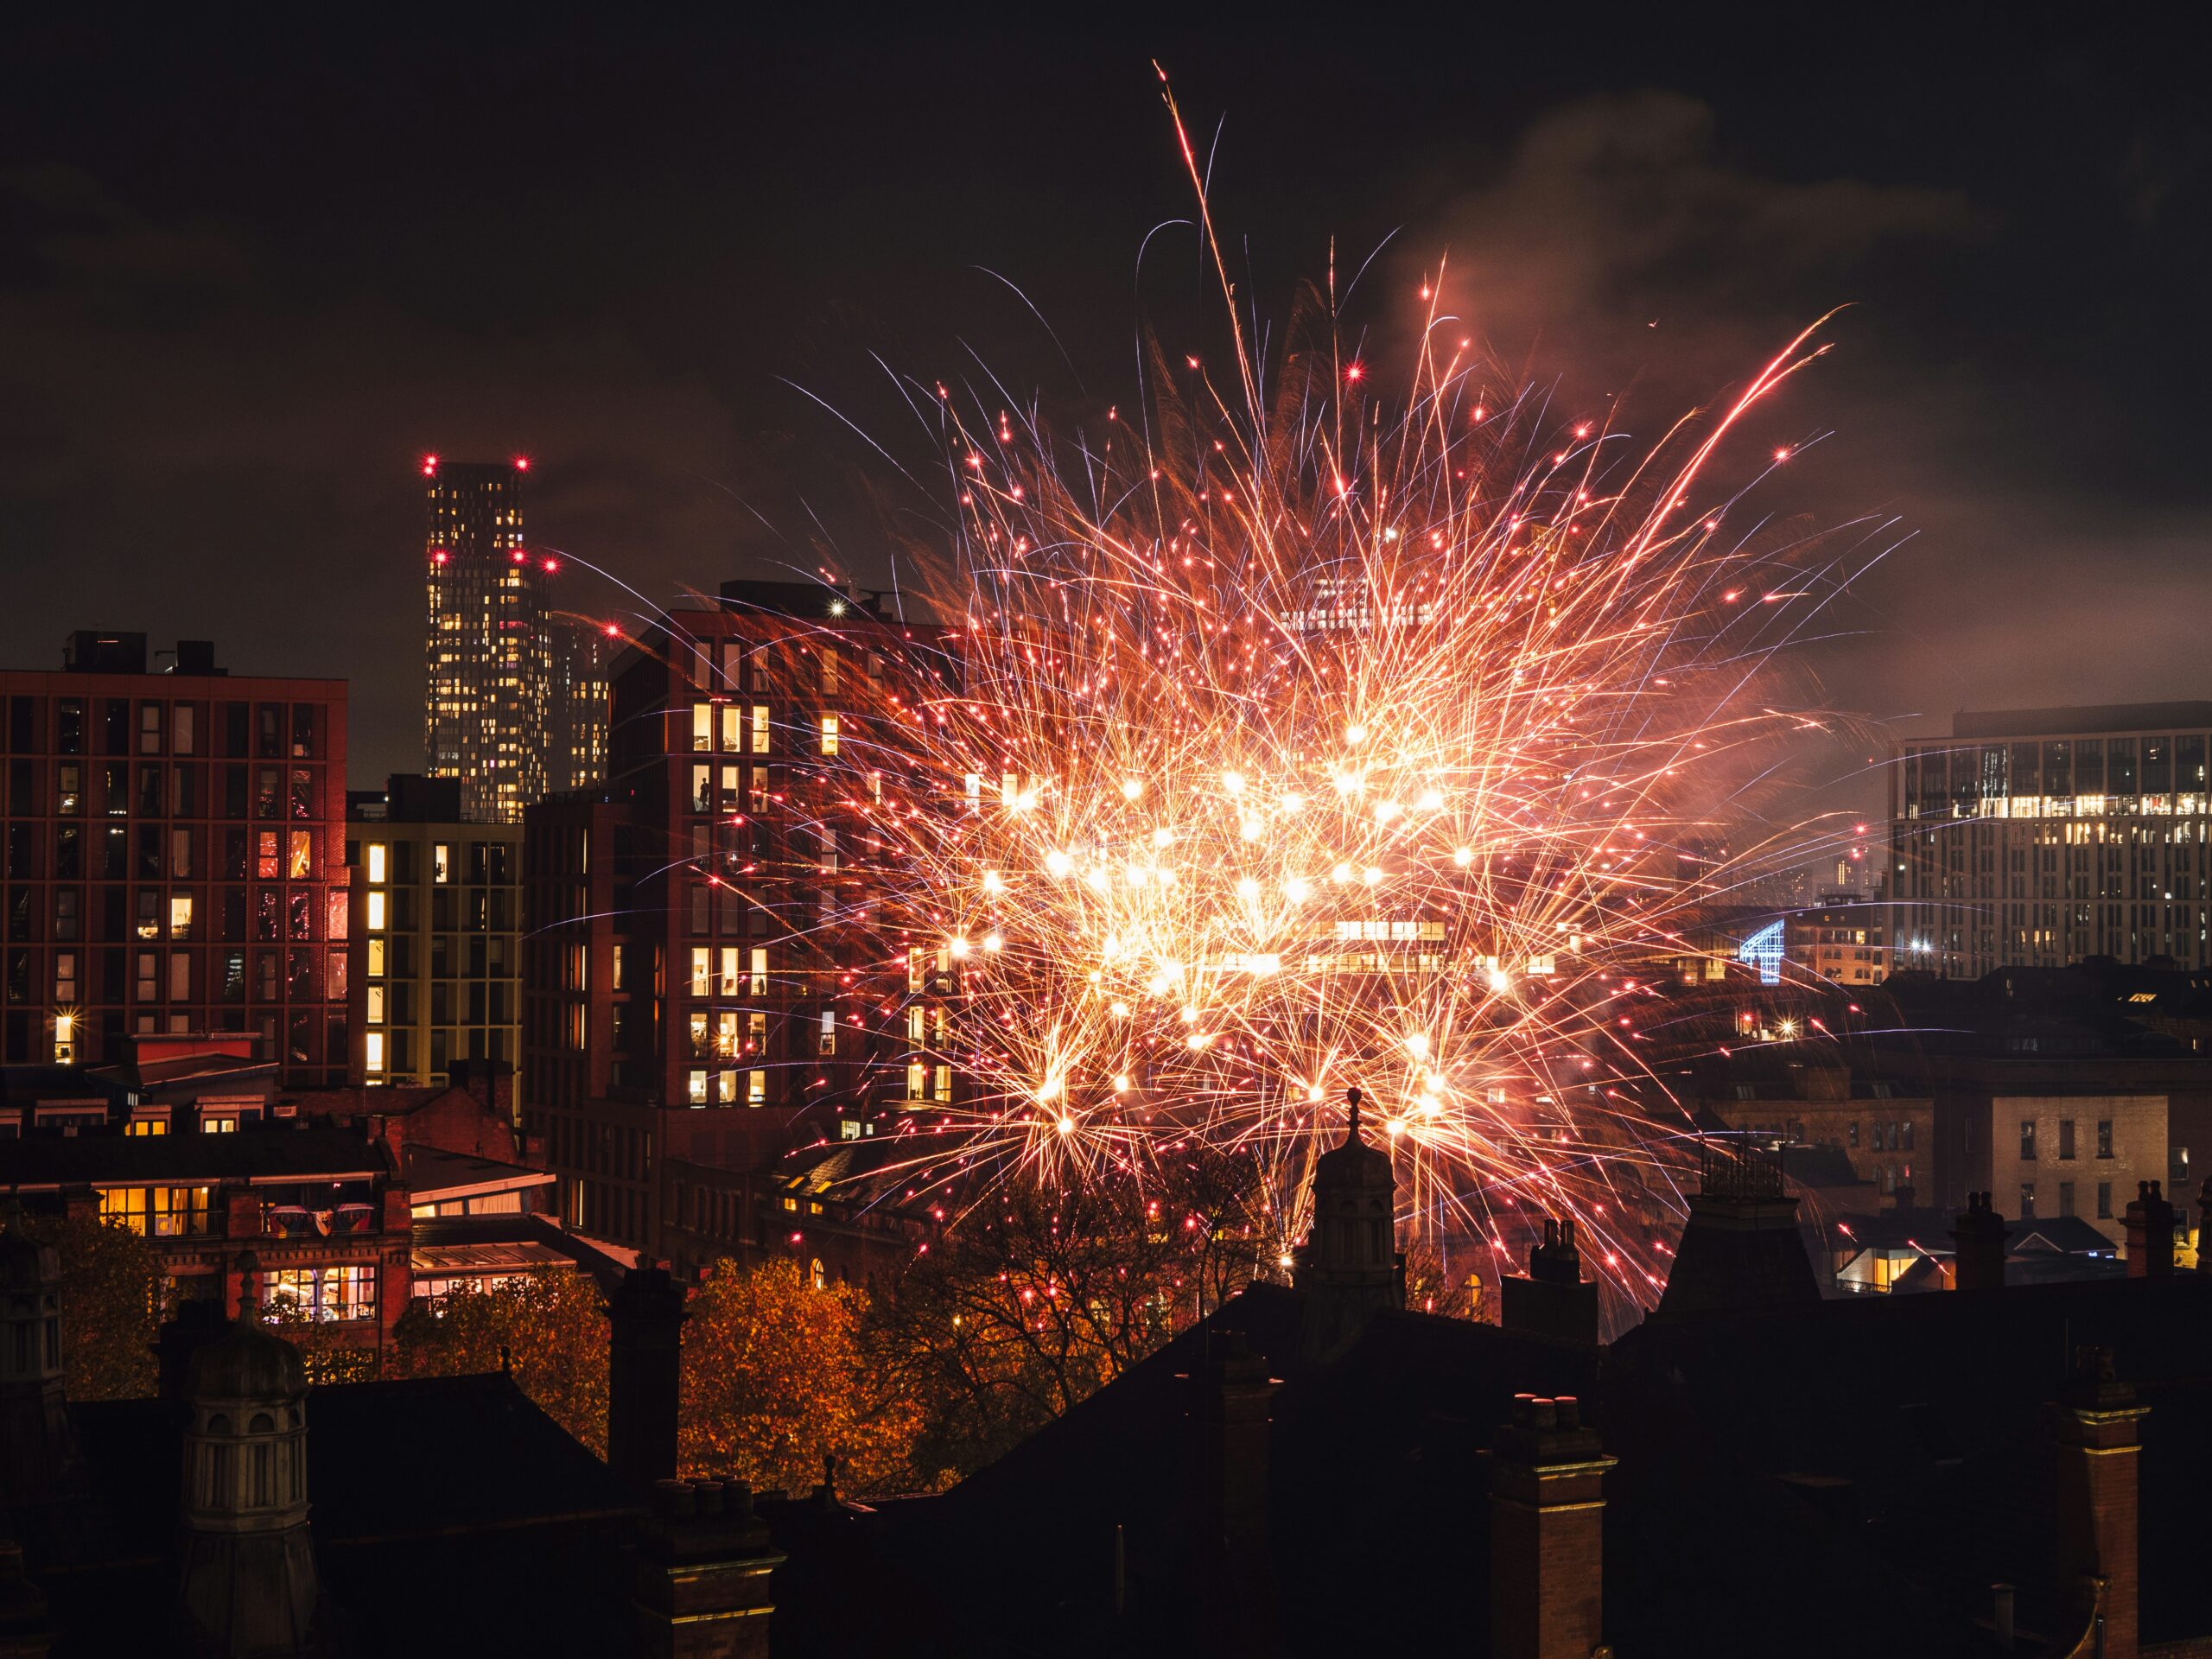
column 251, row 1154
column 425, row 1495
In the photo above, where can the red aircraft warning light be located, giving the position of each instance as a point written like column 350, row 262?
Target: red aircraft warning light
column 522, row 463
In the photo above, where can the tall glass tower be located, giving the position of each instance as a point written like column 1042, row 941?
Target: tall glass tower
column 487, row 652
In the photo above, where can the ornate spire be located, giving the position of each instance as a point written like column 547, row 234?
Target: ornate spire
column 1350, row 1266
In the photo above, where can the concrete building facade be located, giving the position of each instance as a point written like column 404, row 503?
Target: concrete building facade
column 438, row 937
column 2039, row 836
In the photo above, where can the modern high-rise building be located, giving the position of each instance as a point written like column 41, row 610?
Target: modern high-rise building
column 2038, row 836
column 438, row 911
column 717, row 965
column 175, row 858
column 576, row 703
column 515, row 693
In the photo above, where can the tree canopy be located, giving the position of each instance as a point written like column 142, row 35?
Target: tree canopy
column 110, row 1294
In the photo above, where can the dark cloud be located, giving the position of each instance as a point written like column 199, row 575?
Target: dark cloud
column 1622, row 252
column 248, row 272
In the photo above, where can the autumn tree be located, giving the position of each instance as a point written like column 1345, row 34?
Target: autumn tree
column 110, row 1291
column 549, row 1329
column 777, row 1377
column 1436, row 1284
column 1043, row 1293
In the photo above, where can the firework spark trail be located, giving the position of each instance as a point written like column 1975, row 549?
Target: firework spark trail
column 1302, row 744
column 1305, row 737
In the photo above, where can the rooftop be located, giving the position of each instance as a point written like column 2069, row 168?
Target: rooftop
column 35, row 1163
column 2100, row 717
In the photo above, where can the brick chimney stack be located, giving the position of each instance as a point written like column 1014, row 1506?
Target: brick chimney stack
column 1236, row 1408
column 1546, row 1533
column 645, row 1377
column 704, row 1572
column 1552, row 1302
column 1978, row 1237
column 2099, row 1430
column 2150, row 1233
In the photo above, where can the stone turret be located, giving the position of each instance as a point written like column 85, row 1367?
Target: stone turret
column 248, row 1580
column 1349, row 1268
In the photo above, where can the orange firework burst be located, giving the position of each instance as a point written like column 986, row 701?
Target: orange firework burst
column 1306, row 736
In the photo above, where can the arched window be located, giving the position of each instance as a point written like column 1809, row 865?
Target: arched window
column 818, row 1274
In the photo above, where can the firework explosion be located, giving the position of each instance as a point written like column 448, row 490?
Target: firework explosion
column 1307, row 736
column 1302, row 742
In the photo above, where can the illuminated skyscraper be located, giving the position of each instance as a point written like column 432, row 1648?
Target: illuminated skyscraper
column 515, row 698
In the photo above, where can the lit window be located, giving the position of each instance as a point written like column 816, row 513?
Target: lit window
column 158, row 1211
column 760, row 975
column 181, row 916
column 374, row 1041
column 701, row 968
column 442, row 862
column 728, row 976
column 376, row 1005
column 756, row 1088
column 376, row 913
column 323, row 1294
column 726, row 1087
column 376, row 958
column 829, row 734
column 829, row 1042
column 697, row 1084
column 732, row 729
column 759, row 728
column 702, row 725
column 375, row 852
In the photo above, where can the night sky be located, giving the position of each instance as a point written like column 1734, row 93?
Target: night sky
column 250, row 271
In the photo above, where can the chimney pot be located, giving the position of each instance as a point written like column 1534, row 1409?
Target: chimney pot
column 674, row 1499
column 1569, row 1410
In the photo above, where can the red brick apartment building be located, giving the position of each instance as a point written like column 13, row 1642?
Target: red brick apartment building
column 716, row 970
column 174, row 857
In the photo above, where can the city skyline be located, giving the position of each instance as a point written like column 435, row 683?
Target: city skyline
column 1041, row 836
